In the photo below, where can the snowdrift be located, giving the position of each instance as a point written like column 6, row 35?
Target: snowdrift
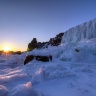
column 24, row 90
column 3, row 90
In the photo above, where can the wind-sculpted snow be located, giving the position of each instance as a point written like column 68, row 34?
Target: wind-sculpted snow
column 38, row 76
column 15, row 60
column 84, row 31
column 70, row 78
column 54, row 78
column 24, row 90
column 82, row 51
column 3, row 90
column 47, row 71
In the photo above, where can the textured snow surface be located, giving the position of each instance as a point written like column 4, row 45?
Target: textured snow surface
column 24, row 90
column 57, row 78
column 71, row 73
column 3, row 90
column 61, row 78
column 86, row 30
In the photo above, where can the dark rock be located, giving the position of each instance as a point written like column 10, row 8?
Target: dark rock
column 32, row 45
column 53, row 42
column 44, row 58
column 38, row 58
column 28, row 59
column 56, row 40
column 50, row 57
column 18, row 52
column 77, row 50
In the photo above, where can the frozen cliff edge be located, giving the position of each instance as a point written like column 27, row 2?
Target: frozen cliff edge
column 83, row 31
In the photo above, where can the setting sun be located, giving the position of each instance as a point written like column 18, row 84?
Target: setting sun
column 6, row 49
column 9, row 46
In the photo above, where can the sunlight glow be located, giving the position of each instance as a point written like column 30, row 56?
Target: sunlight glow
column 6, row 49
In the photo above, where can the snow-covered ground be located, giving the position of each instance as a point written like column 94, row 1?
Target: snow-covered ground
column 72, row 72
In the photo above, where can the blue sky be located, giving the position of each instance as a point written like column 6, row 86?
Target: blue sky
column 22, row 20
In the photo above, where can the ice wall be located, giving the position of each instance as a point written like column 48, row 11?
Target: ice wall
column 86, row 30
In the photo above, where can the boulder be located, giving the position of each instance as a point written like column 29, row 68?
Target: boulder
column 38, row 58
column 28, row 59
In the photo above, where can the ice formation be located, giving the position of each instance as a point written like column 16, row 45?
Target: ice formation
column 86, row 30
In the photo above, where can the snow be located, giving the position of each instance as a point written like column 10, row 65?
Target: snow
column 50, row 79
column 3, row 90
column 72, row 71
column 62, row 76
column 24, row 90
column 38, row 76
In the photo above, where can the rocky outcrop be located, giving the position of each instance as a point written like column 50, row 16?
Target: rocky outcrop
column 38, row 58
column 32, row 45
column 56, row 40
column 53, row 42
column 42, row 45
column 28, row 59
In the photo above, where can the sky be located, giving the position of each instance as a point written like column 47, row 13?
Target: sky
column 23, row 20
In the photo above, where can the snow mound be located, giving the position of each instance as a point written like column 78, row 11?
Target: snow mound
column 38, row 76
column 16, row 59
column 82, row 51
column 9, row 77
column 57, row 71
column 3, row 90
column 49, row 72
column 24, row 90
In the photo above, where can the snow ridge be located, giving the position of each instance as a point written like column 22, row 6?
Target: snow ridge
column 83, row 31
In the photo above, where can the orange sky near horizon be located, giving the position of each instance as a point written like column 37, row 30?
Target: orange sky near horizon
column 12, row 47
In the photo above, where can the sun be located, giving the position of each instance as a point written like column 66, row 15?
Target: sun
column 6, row 49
